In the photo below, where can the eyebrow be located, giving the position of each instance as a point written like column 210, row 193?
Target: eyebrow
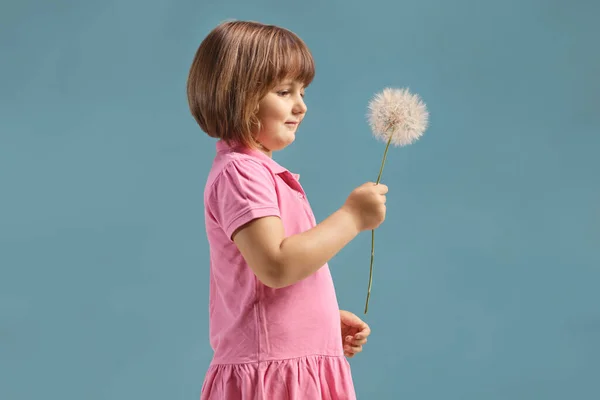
column 291, row 83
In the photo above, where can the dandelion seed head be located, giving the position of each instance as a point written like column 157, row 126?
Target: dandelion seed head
column 398, row 113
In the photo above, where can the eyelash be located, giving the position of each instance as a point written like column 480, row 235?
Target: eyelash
column 285, row 92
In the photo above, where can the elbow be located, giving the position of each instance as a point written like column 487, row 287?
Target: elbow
column 275, row 277
column 273, row 283
column 272, row 269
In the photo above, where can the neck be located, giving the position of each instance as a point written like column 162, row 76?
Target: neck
column 265, row 150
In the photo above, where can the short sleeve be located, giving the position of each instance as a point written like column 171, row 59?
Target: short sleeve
column 244, row 191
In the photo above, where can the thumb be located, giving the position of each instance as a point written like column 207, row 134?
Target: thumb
column 352, row 320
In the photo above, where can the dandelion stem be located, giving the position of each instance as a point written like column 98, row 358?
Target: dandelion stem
column 373, row 231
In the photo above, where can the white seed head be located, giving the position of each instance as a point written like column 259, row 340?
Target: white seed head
column 398, row 113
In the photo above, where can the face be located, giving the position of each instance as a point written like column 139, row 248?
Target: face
column 280, row 113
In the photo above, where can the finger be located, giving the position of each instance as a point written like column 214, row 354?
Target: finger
column 383, row 189
column 354, row 323
column 356, row 341
column 366, row 331
column 353, row 349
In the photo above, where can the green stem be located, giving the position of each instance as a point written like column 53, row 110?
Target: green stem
column 373, row 231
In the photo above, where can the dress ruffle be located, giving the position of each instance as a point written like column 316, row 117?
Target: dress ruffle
column 305, row 378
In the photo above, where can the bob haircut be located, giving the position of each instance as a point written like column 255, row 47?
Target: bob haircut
column 236, row 65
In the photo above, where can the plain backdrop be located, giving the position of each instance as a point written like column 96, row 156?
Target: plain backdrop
column 486, row 270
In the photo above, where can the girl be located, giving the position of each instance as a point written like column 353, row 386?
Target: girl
column 274, row 316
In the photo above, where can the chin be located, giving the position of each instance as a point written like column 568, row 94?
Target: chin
column 278, row 142
column 284, row 142
column 290, row 141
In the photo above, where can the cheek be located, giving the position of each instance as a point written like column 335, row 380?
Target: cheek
column 271, row 121
column 266, row 125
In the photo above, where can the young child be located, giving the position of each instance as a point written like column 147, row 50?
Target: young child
column 275, row 326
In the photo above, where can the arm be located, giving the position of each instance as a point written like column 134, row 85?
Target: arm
column 278, row 261
column 244, row 202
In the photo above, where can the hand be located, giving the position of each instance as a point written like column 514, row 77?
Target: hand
column 354, row 333
column 366, row 204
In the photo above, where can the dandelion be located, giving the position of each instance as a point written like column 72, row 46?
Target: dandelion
column 400, row 118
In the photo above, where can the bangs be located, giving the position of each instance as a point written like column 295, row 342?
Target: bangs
column 290, row 58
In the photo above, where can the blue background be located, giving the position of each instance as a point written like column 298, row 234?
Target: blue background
column 486, row 270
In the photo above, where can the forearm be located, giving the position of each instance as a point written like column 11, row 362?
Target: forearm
column 303, row 254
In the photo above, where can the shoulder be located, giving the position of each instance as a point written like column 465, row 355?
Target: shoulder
column 241, row 165
column 236, row 171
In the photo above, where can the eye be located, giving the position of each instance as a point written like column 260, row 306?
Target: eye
column 283, row 92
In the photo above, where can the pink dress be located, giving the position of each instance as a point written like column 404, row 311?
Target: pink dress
column 268, row 343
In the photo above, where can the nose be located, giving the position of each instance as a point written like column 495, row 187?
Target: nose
column 300, row 106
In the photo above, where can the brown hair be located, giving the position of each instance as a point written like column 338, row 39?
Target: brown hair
column 236, row 65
